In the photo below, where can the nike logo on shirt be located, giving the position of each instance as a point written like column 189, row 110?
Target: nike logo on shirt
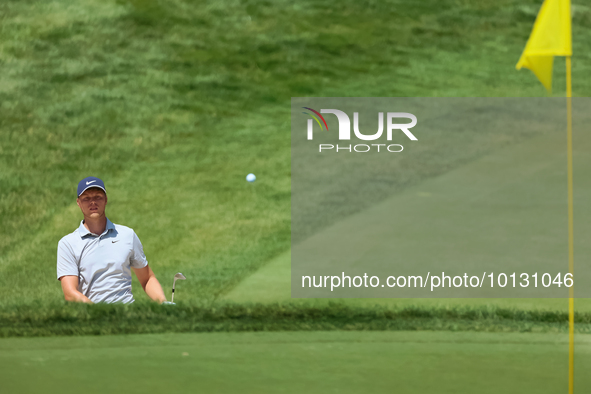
column 115, row 241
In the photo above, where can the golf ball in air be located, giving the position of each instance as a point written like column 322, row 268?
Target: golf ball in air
column 251, row 177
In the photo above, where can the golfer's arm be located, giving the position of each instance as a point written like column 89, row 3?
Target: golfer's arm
column 149, row 283
column 70, row 289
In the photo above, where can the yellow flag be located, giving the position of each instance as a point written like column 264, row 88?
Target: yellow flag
column 551, row 36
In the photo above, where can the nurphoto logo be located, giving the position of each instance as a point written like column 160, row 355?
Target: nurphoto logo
column 345, row 130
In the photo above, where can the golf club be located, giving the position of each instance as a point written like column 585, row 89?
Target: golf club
column 177, row 276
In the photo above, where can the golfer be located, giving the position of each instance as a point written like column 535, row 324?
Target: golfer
column 94, row 262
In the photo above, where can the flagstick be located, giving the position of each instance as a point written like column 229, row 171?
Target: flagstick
column 571, row 300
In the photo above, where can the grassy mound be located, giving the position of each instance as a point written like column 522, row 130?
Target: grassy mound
column 172, row 103
column 142, row 318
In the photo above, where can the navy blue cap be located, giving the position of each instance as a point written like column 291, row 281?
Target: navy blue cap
column 89, row 182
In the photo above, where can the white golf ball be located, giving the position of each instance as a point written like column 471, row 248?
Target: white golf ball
column 251, row 177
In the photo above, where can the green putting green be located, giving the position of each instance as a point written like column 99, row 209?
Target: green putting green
column 292, row 362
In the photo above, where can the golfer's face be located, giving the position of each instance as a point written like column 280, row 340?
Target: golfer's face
column 92, row 203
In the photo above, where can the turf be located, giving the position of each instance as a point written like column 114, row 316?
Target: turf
column 287, row 362
column 108, row 319
column 173, row 102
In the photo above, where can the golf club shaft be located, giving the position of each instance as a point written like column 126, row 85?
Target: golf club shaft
column 173, row 283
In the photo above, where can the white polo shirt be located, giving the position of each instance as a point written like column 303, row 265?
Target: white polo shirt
column 102, row 262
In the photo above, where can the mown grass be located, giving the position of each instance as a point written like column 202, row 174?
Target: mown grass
column 141, row 318
column 173, row 102
column 294, row 362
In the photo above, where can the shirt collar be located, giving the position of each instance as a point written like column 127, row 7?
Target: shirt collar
column 84, row 232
